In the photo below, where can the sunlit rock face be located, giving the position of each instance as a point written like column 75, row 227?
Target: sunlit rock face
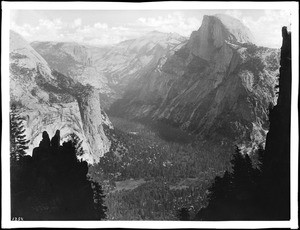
column 218, row 85
column 51, row 101
column 214, row 32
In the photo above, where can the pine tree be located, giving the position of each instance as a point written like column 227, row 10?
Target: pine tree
column 242, row 175
column 232, row 196
column 77, row 144
column 18, row 142
column 19, row 164
column 55, row 186
column 99, row 206
column 183, row 214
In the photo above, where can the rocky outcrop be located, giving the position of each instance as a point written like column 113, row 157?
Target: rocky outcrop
column 277, row 160
column 218, row 85
column 89, row 100
column 51, row 101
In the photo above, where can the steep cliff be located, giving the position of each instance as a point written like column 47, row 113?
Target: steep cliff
column 76, row 61
column 218, row 85
column 277, row 162
column 50, row 101
column 214, row 32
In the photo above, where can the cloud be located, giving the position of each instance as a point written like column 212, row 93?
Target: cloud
column 267, row 28
column 26, row 30
column 174, row 22
column 77, row 22
column 45, row 30
column 234, row 13
column 52, row 25
column 100, row 33
column 55, row 30
column 100, row 25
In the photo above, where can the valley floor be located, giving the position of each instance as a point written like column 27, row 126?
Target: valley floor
column 154, row 170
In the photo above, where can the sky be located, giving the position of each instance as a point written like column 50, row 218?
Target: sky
column 108, row 27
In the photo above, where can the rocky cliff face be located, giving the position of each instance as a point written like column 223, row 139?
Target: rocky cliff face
column 51, row 101
column 109, row 69
column 277, row 162
column 214, row 32
column 76, row 61
column 218, row 85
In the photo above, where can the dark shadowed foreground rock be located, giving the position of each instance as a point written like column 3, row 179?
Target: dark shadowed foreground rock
column 277, row 153
column 53, row 184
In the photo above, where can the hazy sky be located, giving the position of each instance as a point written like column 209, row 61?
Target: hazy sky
column 105, row 27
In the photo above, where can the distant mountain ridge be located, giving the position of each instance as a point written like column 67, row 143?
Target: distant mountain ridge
column 110, row 68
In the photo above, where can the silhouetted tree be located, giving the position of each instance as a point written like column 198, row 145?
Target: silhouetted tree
column 183, row 214
column 19, row 162
column 77, row 144
column 53, row 185
column 55, row 141
column 18, row 142
column 99, row 201
column 243, row 173
column 231, row 197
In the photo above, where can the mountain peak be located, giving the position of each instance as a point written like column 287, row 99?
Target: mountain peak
column 215, row 32
column 241, row 32
column 232, row 29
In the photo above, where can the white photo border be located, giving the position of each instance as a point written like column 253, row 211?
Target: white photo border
column 8, row 6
